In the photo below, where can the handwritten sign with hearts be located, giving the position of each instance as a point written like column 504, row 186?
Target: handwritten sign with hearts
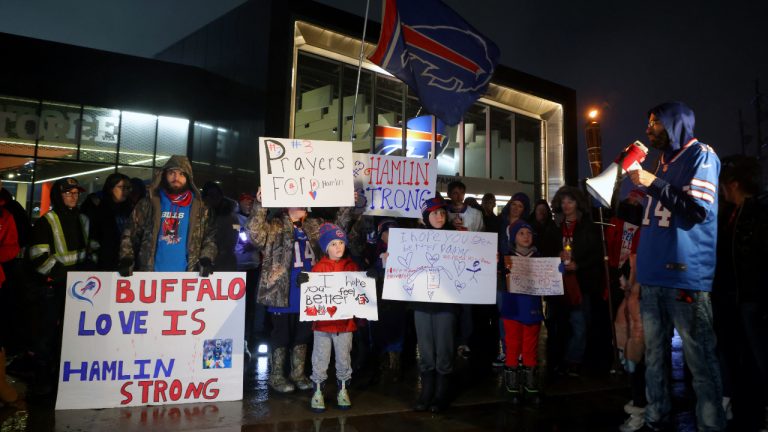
column 441, row 266
column 338, row 295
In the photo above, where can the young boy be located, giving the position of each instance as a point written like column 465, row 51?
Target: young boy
column 522, row 316
column 336, row 334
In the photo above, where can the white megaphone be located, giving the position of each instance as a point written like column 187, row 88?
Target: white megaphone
column 601, row 187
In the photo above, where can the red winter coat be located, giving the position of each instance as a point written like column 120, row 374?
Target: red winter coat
column 9, row 241
column 328, row 265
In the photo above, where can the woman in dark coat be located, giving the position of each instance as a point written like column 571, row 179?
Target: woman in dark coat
column 576, row 240
column 109, row 218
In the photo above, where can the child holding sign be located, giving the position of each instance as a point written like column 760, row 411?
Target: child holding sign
column 288, row 241
column 336, row 334
column 522, row 316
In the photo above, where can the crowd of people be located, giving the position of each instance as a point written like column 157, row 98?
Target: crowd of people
column 669, row 244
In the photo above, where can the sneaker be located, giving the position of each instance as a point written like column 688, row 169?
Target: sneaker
column 634, row 423
column 727, row 408
column 464, row 351
column 631, row 409
column 500, row 360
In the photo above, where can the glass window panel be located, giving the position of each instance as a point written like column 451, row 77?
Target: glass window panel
column 137, row 138
column 501, row 145
column 99, row 135
column 203, row 143
column 448, row 156
column 16, row 174
column 18, row 126
column 389, row 116
column 363, row 132
column 317, row 98
column 60, row 130
column 90, row 176
column 172, row 136
column 474, row 141
column 528, row 140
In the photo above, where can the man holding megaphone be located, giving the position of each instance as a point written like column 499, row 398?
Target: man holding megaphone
column 676, row 263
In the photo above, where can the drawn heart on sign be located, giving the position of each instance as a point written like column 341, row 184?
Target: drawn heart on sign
column 331, row 310
column 313, row 194
column 408, row 289
column 432, row 258
column 311, row 311
column 460, row 285
column 406, row 260
column 459, row 265
column 430, row 294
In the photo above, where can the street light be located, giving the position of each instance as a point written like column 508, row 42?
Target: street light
column 594, row 142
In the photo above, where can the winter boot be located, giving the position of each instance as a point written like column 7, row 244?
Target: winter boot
column 530, row 383
column 298, row 361
column 513, row 383
column 342, row 398
column 440, row 402
column 8, row 394
column 317, row 404
column 427, row 391
column 277, row 375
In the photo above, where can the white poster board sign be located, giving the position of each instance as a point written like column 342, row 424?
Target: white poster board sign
column 338, row 295
column 441, row 266
column 305, row 173
column 151, row 339
column 392, row 185
column 535, row 276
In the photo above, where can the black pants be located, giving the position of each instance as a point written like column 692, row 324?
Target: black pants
column 288, row 331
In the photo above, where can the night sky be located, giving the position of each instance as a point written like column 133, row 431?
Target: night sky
column 623, row 57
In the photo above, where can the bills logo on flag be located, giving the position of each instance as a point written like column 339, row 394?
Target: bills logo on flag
column 389, row 139
column 442, row 58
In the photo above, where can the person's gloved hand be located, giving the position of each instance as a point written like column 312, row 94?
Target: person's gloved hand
column 125, row 267
column 561, row 268
column 302, row 278
column 58, row 272
column 372, row 273
column 206, row 267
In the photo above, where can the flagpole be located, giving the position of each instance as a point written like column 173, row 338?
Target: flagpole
column 359, row 70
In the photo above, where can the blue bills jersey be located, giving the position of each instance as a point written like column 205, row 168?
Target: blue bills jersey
column 677, row 248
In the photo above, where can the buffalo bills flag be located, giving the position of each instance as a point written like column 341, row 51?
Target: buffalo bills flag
column 441, row 58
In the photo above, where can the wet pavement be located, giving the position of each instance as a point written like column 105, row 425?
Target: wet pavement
column 592, row 402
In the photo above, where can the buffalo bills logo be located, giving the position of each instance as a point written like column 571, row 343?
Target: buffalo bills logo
column 86, row 290
column 448, row 68
column 418, row 139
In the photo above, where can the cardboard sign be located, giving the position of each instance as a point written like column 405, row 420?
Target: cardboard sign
column 535, row 276
column 338, row 295
column 392, row 185
column 306, row 173
column 151, row 339
column 441, row 266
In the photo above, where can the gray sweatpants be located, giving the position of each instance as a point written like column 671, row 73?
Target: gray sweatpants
column 321, row 355
column 435, row 337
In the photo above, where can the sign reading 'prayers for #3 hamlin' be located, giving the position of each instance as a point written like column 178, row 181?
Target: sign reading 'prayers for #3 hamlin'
column 151, row 339
column 441, row 266
column 305, row 173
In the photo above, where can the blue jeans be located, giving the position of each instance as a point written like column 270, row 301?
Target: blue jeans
column 578, row 318
column 661, row 311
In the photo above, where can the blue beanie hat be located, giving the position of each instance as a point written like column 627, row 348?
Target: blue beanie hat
column 432, row 204
column 516, row 227
column 330, row 232
column 523, row 198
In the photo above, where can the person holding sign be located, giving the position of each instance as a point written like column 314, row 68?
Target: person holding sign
column 332, row 334
column 522, row 315
column 171, row 228
column 289, row 242
column 435, row 323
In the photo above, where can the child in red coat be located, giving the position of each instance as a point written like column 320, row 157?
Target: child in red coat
column 335, row 334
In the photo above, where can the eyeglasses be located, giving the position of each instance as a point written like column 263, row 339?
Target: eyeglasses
column 71, row 193
column 653, row 123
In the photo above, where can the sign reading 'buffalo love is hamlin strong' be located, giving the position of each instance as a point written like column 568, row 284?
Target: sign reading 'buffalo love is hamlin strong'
column 151, row 339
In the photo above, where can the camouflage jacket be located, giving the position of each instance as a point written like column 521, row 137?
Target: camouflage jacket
column 139, row 240
column 275, row 238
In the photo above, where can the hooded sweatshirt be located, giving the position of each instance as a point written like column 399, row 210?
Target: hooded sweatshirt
column 677, row 249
